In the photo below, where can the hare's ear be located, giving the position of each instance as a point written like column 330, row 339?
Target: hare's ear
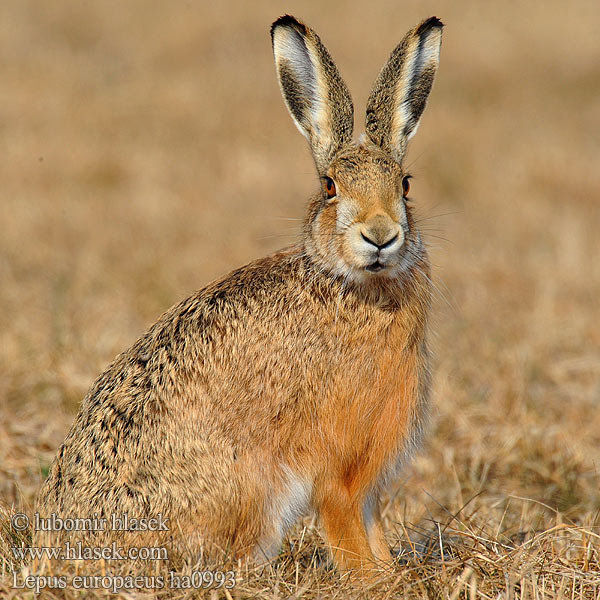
column 312, row 88
column 402, row 87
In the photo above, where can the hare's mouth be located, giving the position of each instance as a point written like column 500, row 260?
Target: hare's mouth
column 375, row 267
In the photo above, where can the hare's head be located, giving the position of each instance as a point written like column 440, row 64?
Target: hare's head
column 359, row 225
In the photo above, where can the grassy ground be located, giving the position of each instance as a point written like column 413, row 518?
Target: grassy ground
column 146, row 150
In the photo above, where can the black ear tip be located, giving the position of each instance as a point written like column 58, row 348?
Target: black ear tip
column 288, row 21
column 429, row 24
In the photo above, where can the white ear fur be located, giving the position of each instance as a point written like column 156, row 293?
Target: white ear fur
column 313, row 90
column 422, row 56
column 293, row 55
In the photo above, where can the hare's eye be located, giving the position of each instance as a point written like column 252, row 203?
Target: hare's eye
column 406, row 185
column 329, row 185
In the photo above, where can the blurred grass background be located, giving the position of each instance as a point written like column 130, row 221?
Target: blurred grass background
column 146, row 150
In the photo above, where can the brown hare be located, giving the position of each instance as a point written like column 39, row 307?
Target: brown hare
column 298, row 382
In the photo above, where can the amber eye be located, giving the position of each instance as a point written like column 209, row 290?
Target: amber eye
column 330, row 187
column 406, row 185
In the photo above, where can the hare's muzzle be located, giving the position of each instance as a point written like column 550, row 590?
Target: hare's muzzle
column 380, row 240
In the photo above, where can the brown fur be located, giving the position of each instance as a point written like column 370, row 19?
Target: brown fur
column 299, row 381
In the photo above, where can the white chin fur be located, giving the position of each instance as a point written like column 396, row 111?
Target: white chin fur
column 358, row 274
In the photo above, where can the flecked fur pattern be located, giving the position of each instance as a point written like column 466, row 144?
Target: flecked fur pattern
column 296, row 383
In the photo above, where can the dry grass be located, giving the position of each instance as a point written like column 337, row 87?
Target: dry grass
column 146, row 151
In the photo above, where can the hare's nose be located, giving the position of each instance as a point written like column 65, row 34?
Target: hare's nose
column 382, row 232
column 379, row 244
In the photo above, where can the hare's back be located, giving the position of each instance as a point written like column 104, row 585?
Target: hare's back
column 169, row 412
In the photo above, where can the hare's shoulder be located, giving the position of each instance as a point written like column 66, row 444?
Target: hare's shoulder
column 198, row 325
column 253, row 288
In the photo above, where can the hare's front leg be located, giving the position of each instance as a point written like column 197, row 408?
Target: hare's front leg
column 342, row 518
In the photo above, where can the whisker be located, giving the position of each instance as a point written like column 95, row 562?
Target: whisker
column 438, row 237
column 429, row 217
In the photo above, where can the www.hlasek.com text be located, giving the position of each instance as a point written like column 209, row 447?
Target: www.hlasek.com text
column 78, row 551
